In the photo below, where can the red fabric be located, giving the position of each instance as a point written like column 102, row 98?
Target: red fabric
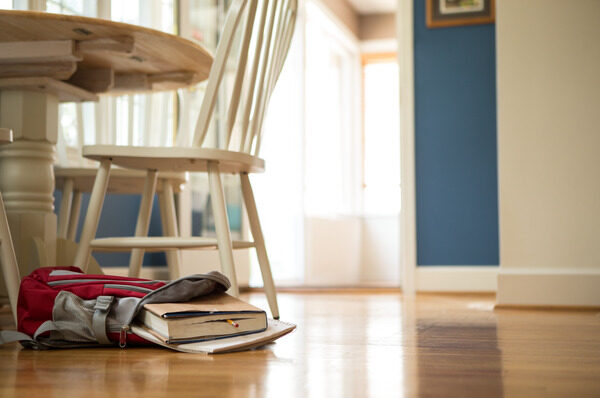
column 36, row 296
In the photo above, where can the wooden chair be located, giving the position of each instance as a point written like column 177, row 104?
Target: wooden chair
column 265, row 39
column 73, row 181
column 8, row 260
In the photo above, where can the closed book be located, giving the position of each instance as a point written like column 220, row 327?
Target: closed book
column 210, row 317
column 275, row 330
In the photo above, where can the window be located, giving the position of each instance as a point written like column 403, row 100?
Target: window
column 201, row 21
column 381, row 151
column 311, row 142
column 121, row 120
column 87, row 8
column 332, row 172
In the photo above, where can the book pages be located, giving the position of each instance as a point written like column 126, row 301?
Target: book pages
column 275, row 330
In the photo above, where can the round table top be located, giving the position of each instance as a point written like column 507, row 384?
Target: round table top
column 96, row 55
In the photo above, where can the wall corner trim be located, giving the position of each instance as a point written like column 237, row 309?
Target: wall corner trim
column 575, row 287
column 454, row 278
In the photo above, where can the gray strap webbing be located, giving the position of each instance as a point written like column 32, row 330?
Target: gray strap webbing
column 47, row 326
column 101, row 310
column 10, row 336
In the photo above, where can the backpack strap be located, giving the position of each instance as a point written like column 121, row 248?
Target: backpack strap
column 101, row 310
column 11, row 336
column 47, row 326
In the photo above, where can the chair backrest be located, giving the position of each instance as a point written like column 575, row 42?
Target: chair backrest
column 268, row 26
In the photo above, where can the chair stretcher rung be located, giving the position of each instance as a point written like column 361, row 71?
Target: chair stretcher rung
column 160, row 243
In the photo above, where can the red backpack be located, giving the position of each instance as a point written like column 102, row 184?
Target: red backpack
column 63, row 307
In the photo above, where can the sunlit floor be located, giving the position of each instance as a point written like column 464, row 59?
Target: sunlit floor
column 348, row 344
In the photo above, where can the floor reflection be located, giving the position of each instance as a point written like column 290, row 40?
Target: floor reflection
column 458, row 359
column 550, row 353
column 147, row 371
column 346, row 345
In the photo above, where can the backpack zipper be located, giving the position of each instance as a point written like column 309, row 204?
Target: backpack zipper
column 73, row 281
column 130, row 288
column 123, row 336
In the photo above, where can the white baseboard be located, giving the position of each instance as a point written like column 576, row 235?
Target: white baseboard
column 549, row 287
column 456, row 278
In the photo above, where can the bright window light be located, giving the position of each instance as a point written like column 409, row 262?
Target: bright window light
column 73, row 7
column 332, row 170
column 381, row 139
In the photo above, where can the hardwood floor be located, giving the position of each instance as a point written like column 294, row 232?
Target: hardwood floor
column 348, row 344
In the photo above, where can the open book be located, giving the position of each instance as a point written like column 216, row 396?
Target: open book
column 275, row 330
column 209, row 317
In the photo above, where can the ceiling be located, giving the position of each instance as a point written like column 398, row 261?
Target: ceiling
column 373, row 6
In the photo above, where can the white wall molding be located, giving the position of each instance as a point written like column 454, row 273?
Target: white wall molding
column 579, row 287
column 408, row 228
column 456, row 278
column 379, row 46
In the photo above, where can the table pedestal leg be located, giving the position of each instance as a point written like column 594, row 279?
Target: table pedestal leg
column 27, row 174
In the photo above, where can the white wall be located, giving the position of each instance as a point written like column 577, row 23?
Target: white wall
column 332, row 251
column 548, row 63
column 352, row 251
column 380, row 256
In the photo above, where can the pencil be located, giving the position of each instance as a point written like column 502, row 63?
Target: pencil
column 232, row 323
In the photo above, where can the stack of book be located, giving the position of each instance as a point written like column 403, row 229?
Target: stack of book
column 213, row 323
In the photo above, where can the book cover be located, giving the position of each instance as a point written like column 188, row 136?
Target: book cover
column 210, row 317
column 275, row 330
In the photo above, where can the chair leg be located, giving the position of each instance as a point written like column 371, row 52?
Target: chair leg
column 74, row 217
column 92, row 217
column 65, row 208
column 143, row 222
column 222, row 225
column 169, row 225
column 259, row 243
column 8, row 262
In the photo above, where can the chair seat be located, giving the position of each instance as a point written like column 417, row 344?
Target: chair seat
column 161, row 243
column 122, row 181
column 175, row 158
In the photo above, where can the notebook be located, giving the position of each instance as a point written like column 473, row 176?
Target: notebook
column 275, row 330
column 210, row 317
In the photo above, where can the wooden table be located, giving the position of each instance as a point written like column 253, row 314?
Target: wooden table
column 46, row 59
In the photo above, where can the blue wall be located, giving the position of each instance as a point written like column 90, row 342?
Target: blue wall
column 455, row 144
column 119, row 215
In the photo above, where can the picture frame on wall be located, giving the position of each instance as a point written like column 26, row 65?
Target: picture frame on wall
column 445, row 13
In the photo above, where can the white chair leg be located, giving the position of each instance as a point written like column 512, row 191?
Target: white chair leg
column 143, row 222
column 259, row 243
column 8, row 262
column 74, row 217
column 222, row 226
column 170, row 228
column 65, row 208
column 92, row 217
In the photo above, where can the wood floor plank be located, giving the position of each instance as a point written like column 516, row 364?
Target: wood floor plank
column 348, row 344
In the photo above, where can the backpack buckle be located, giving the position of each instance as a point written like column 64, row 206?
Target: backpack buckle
column 103, row 303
